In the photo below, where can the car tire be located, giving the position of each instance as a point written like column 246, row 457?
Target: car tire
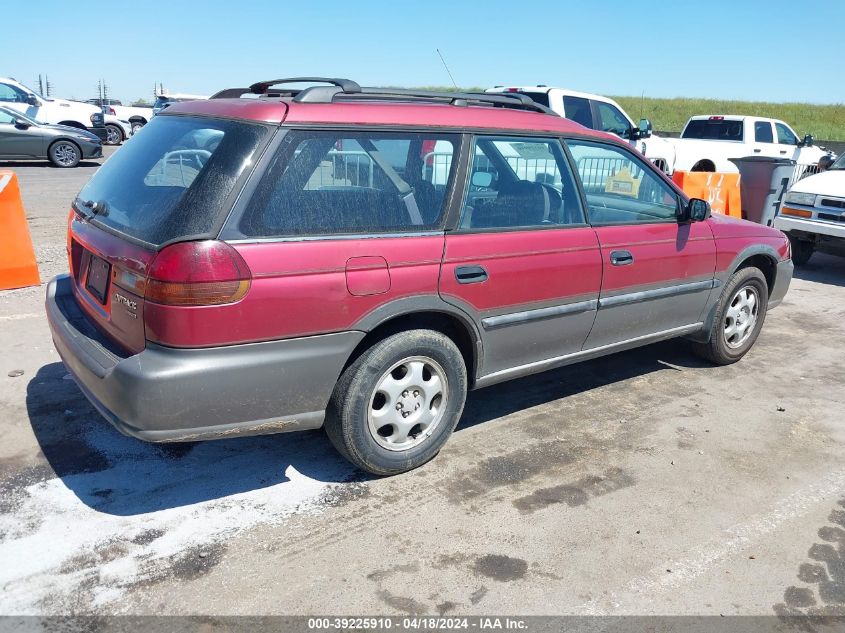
column 802, row 250
column 740, row 313
column 64, row 154
column 114, row 135
column 136, row 125
column 396, row 405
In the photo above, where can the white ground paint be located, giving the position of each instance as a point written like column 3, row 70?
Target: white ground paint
column 701, row 559
column 69, row 540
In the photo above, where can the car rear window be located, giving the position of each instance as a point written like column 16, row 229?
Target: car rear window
column 327, row 182
column 173, row 178
column 713, row 130
column 540, row 97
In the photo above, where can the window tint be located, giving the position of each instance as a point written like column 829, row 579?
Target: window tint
column 785, row 135
column 519, row 182
column 612, row 120
column 763, row 132
column 172, row 180
column 11, row 94
column 620, row 188
column 578, row 109
column 713, row 129
column 323, row 183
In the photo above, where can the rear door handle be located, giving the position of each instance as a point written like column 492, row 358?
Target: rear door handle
column 783, row 151
column 621, row 258
column 757, row 151
column 470, row 274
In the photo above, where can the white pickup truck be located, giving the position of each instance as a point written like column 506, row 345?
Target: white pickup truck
column 137, row 116
column 600, row 113
column 709, row 141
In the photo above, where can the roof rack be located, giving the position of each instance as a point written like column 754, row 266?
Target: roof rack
column 345, row 89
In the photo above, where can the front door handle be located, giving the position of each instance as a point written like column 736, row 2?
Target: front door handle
column 470, row 274
column 783, row 151
column 757, row 151
column 621, row 258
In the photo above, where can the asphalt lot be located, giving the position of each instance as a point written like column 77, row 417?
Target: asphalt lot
column 643, row 483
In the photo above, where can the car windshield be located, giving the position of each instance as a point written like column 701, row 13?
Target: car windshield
column 839, row 163
column 714, row 130
column 17, row 115
column 173, row 179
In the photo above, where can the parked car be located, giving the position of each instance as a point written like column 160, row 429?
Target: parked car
column 708, row 142
column 117, row 130
column 600, row 113
column 137, row 116
column 812, row 214
column 165, row 100
column 255, row 286
column 53, row 111
column 24, row 138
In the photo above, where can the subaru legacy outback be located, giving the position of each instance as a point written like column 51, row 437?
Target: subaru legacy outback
column 280, row 258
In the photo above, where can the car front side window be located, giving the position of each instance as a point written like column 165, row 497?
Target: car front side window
column 612, row 120
column 620, row 188
column 785, row 135
column 11, row 94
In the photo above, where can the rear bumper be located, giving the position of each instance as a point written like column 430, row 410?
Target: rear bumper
column 830, row 229
column 783, row 277
column 167, row 395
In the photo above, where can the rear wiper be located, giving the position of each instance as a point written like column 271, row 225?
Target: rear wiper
column 98, row 207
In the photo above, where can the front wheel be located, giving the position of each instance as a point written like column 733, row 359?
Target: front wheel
column 136, row 125
column 397, row 404
column 802, row 250
column 740, row 313
column 64, row 154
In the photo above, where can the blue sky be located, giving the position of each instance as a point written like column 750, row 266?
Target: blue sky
column 768, row 50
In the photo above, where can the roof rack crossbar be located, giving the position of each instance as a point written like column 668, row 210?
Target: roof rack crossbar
column 347, row 85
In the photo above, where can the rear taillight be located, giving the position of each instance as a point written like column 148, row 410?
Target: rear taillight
column 112, row 112
column 197, row 274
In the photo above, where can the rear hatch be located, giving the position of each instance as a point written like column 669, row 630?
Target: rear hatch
column 174, row 182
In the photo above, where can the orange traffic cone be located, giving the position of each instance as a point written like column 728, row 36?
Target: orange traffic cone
column 17, row 259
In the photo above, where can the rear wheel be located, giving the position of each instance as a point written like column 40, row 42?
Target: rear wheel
column 136, row 125
column 64, row 154
column 802, row 250
column 114, row 135
column 397, row 404
column 740, row 313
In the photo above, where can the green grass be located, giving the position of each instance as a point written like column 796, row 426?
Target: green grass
column 825, row 122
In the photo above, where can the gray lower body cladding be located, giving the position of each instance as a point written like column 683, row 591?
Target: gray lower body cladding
column 165, row 394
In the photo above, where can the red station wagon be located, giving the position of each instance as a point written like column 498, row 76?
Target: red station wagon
column 277, row 258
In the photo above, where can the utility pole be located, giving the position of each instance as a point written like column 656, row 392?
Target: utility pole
column 49, row 86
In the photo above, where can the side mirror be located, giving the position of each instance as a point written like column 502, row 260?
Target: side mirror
column 482, row 179
column 696, row 210
column 644, row 129
column 825, row 162
column 33, row 100
column 808, row 141
column 21, row 124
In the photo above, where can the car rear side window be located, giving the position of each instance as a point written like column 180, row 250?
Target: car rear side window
column 172, row 180
column 763, row 132
column 578, row 109
column 520, row 182
column 341, row 182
